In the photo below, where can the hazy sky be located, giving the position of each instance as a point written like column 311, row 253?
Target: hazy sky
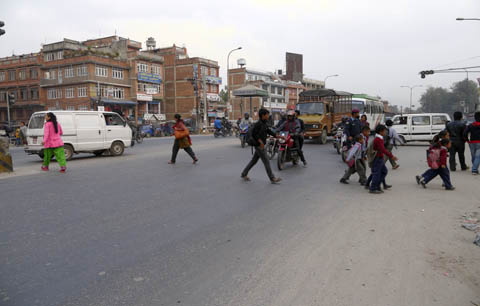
column 374, row 45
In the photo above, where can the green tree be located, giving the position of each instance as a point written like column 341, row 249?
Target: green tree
column 223, row 95
column 465, row 91
column 436, row 100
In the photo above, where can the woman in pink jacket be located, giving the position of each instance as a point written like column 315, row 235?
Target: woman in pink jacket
column 52, row 143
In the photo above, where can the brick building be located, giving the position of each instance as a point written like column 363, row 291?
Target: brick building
column 278, row 92
column 19, row 75
column 182, row 75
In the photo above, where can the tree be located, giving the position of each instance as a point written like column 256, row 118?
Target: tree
column 465, row 91
column 223, row 95
column 436, row 99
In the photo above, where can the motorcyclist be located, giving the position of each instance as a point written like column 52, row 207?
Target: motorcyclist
column 227, row 125
column 294, row 127
column 302, row 128
column 218, row 124
column 246, row 119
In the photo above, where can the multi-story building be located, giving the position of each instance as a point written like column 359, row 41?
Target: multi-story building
column 19, row 76
column 310, row 84
column 292, row 93
column 111, row 72
column 276, row 100
column 191, row 84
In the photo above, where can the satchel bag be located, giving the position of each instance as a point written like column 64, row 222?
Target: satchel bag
column 181, row 134
column 183, row 143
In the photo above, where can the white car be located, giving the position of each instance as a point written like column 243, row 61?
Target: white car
column 83, row 132
column 419, row 127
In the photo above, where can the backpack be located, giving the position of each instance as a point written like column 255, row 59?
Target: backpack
column 250, row 140
column 371, row 153
column 433, row 158
column 387, row 138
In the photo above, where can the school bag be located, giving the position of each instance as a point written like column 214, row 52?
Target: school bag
column 387, row 138
column 250, row 140
column 433, row 158
column 371, row 154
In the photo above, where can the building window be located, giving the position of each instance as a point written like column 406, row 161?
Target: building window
column 142, row 67
column 11, row 75
column 70, row 108
column 213, row 88
column 2, row 76
column 69, row 72
column 60, row 55
column 49, row 57
column 101, row 71
column 23, row 94
column 213, row 71
column 33, row 73
column 272, row 89
column 51, row 74
column 69, row 92
column 82, row 92
column 279, row 90
column 83, row 108
column 22, row 74
column 34, row 93
column 204, row 70
column 82, row 71
column 156, row 70
column 118, row 93
column 54, row 93
column 3, row 96
column 117, row 74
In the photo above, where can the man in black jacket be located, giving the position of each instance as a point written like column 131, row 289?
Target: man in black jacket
column 259, row 135
column 353, row 126
column 472, row 135
column 456, row 129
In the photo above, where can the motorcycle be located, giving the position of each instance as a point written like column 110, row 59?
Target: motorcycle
column 243, row 134
column 339, row 140
column 219, row 132
column 287, row 151
column 271, row 147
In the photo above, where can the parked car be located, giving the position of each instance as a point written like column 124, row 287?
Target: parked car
column 419, row 127
column 83, row 132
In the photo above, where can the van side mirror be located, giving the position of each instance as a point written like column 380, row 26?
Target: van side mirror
column 124, row 123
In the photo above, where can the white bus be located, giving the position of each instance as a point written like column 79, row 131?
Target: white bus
column 372, row 107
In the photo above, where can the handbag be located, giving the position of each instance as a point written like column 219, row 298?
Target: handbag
column 183, row 143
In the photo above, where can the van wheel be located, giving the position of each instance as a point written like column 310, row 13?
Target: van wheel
column 68, row 152
column 40, row 154
column 117, row 148
column 323, row 138
column 402, row 138
column 99, row 152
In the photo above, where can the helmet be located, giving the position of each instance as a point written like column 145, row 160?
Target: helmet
column 355, row 110
column 246, row 115
column 291, row 113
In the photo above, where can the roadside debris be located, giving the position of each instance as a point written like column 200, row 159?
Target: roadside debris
column 471, row 222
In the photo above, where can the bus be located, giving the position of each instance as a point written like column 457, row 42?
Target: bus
column 321, row 110
column 370, row 106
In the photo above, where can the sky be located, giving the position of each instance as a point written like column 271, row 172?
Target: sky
column 375, row 46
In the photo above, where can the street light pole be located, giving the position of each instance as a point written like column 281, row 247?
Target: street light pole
column 325, row 80
column 228, row 76
column 411, row 93
column 467, row 19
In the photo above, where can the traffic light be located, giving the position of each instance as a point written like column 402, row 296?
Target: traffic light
column 2, row 31
column 425, row 72
column 11, row 99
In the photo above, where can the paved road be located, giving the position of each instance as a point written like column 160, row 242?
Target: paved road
column 134, row 230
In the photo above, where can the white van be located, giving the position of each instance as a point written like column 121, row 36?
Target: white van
column 419, row 127
column 83, row 132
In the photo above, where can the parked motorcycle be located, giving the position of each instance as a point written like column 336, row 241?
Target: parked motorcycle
column 219, row 132
column 287, row 151
column 271, row 147
column 243, row 134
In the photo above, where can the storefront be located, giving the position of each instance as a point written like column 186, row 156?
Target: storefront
column 122, row 107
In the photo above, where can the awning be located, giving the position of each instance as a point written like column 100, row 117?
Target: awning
column 116, row 101
column 154, row 102
column 250, row 91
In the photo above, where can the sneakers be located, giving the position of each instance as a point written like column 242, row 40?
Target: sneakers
column 63, row 169
column 44, row 168
column 305, row 164
column 474, row 173
column 419, row 179
column 450, row 188
column 245, row 178
column 386, row 186
column 376, row 191
column 395, row 167
column 344, row 181
column 195, row 161
column 422, row 182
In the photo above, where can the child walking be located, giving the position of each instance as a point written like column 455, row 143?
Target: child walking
column 355, row 162
column 52, row 143
column 437, row 161
column 379, row 171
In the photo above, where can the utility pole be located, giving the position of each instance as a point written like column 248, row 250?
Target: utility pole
column 205, row 108
column 411, row 93
column 8, row 109
column 228, row 79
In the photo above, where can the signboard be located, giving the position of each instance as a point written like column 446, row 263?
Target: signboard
column 144, row 97
column 213, row 97
column 149, row 77
column 212, row 114
column 151, row 117
column 213, row 79
column 151, row 90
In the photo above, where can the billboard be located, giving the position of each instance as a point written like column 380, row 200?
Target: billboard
column 294, row 67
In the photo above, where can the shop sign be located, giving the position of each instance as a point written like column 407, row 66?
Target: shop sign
column 144, row 97
column 149, row 77
column 213, row 97
column 213, row 79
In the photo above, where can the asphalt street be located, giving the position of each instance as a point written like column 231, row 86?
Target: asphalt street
column 133, row 230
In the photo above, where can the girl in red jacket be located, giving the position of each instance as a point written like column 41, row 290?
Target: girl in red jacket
column 438, row 166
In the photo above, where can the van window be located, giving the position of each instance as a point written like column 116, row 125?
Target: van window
column 400, row 120
column 113, row 119
column 421, row 120
column 36, row 122
column 439, row 120
column 86, row 121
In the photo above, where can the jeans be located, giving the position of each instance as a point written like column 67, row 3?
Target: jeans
column 475, row 150
column 444, row 173
column 457, row 147
column 259, row 154
column 298, row 142
column 379, row 173
column 359, row 168
column 175, row 149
